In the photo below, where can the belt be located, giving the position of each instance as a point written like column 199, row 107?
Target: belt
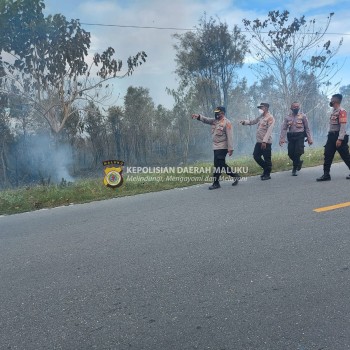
column 295, row 133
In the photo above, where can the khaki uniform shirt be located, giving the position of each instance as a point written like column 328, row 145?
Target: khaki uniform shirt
column 221, row 131
column 337, row 122
column 265, row 126
column 295, row 123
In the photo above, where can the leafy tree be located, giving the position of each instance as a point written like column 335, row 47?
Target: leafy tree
column 45, row 61
column 294, row 53
column 163, row 135
column 208, row 59
column 95, row 126
column 182, row 126
column 115, row 119
column 5, row 138
column 138, row 124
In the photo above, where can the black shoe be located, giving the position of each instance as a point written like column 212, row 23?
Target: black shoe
column 235, row 180
column 214, row 186
column 348, row 177
column 294, row 172
column 324, row 177
column 300, row 165
column 265, row 177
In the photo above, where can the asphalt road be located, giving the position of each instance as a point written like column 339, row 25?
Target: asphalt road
column 239, row 268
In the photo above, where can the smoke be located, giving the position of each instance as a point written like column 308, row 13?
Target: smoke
column 41, row 159
column 63, row 161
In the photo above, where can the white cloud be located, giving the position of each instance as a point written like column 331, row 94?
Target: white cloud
column 158, row 72
column 302, row 6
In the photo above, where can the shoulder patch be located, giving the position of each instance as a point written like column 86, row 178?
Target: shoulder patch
column 342, row 116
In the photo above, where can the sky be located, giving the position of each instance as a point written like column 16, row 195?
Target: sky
column 158, row 72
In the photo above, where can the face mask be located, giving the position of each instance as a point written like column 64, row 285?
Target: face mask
column 295, row 110
column 331, row 104
column 261, row 111
column 217, row 116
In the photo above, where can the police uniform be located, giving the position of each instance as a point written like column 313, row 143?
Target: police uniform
column 337, row 131
column 222, row 136
column 296, row 127
column 266, row 124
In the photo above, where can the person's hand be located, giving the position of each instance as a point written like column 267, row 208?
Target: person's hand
column 195, row 116
column 230, row 153
column 338, row 143
column 281, row 143
column 263, row 145
column 310, row 142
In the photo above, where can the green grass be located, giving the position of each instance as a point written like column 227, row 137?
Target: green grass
column 32, row 198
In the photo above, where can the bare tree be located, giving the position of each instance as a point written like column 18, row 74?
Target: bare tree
column 293, row 52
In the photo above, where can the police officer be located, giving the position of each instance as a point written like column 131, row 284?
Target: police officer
column 296, row 127
column 337, row 139
column 221, row 130
column 262, row 149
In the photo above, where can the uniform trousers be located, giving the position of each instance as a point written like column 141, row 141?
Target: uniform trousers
column 220, row 164
column 330, row 149
column 263, row 157
column 295, row 147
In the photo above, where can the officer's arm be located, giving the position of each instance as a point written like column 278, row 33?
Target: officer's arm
column 284, row 129
column 254, row 121
column 206, row 120
column 342, row 121
column 307, row 129
column 269, row 130
column 229, row 133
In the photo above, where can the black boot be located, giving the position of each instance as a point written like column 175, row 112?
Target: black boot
column 236, row 178
column 300, row 165
column 214, row 186
column 324, row 177
column 266, row 176
column 294, row 171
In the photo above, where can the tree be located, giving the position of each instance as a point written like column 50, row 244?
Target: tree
column 115, row 116
column 95, row 126
column 162, row 135
column 137, row 128
column 182, row 121
column 208, row 59
column 46, row 62
column 292, row 52
column 5, row 138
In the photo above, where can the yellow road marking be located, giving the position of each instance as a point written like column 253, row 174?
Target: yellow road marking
column 332, row 207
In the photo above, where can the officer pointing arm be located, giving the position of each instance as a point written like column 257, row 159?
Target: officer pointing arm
column 222, row 136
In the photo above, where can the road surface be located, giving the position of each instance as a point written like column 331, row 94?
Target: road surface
column 239, row 268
